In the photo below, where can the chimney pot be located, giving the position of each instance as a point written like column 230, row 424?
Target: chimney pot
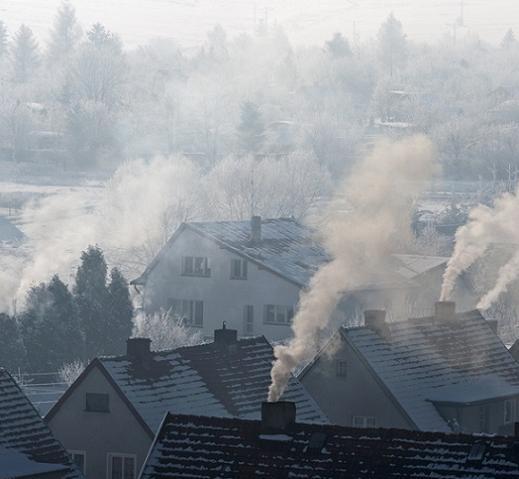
column 225, row 336
column 255, row 226
column 375, row 319
column 445, row 310
column 277, row 416
column 138, row 349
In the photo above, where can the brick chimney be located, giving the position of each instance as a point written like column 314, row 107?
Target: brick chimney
column 255, row 229
column 138, row 350
column 445, row 310
column 375, row 319
column 277, row 416
column 225, row 336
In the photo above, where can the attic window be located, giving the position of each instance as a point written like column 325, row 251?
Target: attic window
column 95, row 402
column 477, row 451
column 196, row 266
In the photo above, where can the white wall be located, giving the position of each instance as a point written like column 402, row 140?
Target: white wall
column 224, row 298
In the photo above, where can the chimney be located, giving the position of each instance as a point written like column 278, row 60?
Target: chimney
column 255, row 229
column 225, row 336
column 375, row 319
column 138, row 350
column 445, row 310
column 277, row 416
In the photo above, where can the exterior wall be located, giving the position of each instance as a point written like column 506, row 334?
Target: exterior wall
column 357, row 394
column 469, row 418
column 99, row 433
column 224, row 298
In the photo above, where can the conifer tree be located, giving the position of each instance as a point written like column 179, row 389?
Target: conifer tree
column 64, row 34
column 251, row 129
column 120, row 312
column 25, row 55
column 12, row 351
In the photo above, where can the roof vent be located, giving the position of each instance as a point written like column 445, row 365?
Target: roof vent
column 375, row 319
column 316, row 443
column 138, row 351
column 477, row 452
column 225, row 336
column 255, row 229
column 445, row 310
column 277, row 416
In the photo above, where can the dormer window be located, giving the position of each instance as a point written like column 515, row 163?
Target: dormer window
column 238, row 268
column 196, row 266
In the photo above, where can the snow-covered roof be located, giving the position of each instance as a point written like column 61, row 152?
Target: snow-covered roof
column 426, row 358
column 291, row 250
column 27, row 447
column 225, row 448
column 205, row 379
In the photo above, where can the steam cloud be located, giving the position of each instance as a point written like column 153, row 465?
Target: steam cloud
column 380, row 191
column 486, row 225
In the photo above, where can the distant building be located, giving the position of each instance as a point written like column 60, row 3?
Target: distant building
column 250, row 274
column 113, row 410
column 446, row 372
column 27, row 447
column 279, row 447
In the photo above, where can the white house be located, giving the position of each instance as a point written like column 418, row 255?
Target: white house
column 250, row 274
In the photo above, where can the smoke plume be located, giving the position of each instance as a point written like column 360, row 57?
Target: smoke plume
column 486, row 225
column 380, row 193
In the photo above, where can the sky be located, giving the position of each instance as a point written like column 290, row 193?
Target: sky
column 305, row 21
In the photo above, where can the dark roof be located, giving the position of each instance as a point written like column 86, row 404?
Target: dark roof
column 224, row 448
column 27, row 447
column 287, row 247
column 203, row 379
column 423, row 361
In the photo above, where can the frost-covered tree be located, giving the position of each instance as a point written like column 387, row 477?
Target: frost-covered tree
column 4, row 41
column 251, row 129
column 12, row 351
column 338, row 46
column 64, row 35
column 392, row 44
column 509, row 39
column 25, row 55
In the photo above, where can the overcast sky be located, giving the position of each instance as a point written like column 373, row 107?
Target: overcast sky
column 306, row 21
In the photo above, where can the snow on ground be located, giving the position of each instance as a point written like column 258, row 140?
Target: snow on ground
column 305, row 21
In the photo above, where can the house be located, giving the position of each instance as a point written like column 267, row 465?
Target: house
column 27, row 447
column 112, row 411
column 250, row 274
column 446, row 372
column 279, row 447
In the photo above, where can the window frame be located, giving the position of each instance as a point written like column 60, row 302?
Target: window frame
column 364, row 421
column 276, row 311
column 203, row 272
column 75, row 452
column 123, row 456
column 512, row 403
column 190, row 311
column 97, row 410
column 248, row 320
column 341, row 368
column 243, row 269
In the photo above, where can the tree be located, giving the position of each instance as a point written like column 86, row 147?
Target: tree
column 91, row 296
column 509, row 39
column 64, row 35
column 3, row 40
column 50, row 327
column 25, row 55
column 251, row 129
column 12, row 351
column 392, row 44
column 120, row 312
column 100, row 37
column 338, row 46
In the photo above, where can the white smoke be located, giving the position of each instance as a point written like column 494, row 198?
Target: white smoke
column 380, row 191
column 486, row 226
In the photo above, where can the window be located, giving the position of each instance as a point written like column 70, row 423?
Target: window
column 276, row 314
column 364, row 421
column 238, row 268
column 196, row 266
column 95, row 402
column 509, row 411
column 190, row 311
column 121, row 466
column 341, row 368
column 79, row 459
column 248, row 319
column 483, row 418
